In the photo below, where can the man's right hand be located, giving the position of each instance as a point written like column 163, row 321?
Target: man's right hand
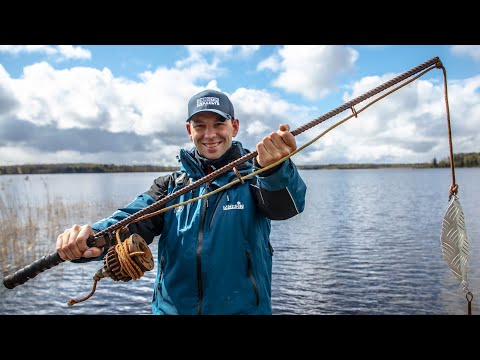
column 72, row 243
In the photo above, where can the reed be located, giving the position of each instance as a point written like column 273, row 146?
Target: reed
column 29, row 229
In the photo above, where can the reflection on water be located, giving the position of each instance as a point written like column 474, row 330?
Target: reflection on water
column 368, row 242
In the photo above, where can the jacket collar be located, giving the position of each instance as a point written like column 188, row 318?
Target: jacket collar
column 196, row 165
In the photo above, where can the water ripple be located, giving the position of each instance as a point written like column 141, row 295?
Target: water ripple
column 367, row 243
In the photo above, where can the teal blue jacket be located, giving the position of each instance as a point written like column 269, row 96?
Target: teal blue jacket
column 214, row 254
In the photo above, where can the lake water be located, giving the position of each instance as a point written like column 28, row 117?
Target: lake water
column 368, row 242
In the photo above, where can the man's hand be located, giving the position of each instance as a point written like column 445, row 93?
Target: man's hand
column 276, row 146
column 72, row 243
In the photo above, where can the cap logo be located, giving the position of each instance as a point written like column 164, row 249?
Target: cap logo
column 208, row 100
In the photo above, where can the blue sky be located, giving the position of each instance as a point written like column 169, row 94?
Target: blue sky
column 128, row 104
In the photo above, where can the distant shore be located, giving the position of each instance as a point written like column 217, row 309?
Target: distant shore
column 108, row 168
column 111, row 168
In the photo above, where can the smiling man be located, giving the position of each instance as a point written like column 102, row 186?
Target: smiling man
column 207, row 126
column 214, row 254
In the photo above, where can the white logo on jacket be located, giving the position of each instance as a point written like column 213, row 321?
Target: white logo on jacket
column 237, row 206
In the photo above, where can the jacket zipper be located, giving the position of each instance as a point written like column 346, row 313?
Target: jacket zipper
column 216, row 206
column 270, row 247
column 162, row 267
column 199, row 254
column 250, row 275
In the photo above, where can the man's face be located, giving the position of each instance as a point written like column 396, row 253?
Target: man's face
column 212, row 136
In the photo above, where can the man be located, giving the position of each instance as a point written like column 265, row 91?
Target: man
column 214, row 254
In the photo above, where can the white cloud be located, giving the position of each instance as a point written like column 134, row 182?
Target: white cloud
column 271, row 63
column 162, row 155
column 62, row 52
column 472, row 51
column 65, row 106
column 199, row 53
column 78, row 97
column 74, row 52
column 17, row 49
column 198, row 50
column 83, row 97
column 310, row 70
column 261, row 112
column 256, row 128
column 407, row 126
column 247, row 50
column 88, row 98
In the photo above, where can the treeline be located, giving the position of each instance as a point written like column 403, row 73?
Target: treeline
column 364, row 166
column 460, row 160
column 81, row 168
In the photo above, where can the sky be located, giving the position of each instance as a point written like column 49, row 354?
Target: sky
column 127, row 104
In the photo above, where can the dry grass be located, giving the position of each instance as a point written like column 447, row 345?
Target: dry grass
column 29, row 230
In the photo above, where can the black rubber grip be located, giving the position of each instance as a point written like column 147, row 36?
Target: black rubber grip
column 48, row 261
column 30, row 271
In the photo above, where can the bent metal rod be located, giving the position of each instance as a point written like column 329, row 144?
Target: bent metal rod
column 105, row 237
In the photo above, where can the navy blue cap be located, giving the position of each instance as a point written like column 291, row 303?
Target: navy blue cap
column 211, row 100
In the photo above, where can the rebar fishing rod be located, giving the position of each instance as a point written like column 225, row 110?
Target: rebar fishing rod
column 299, row 130
column 103, row 237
